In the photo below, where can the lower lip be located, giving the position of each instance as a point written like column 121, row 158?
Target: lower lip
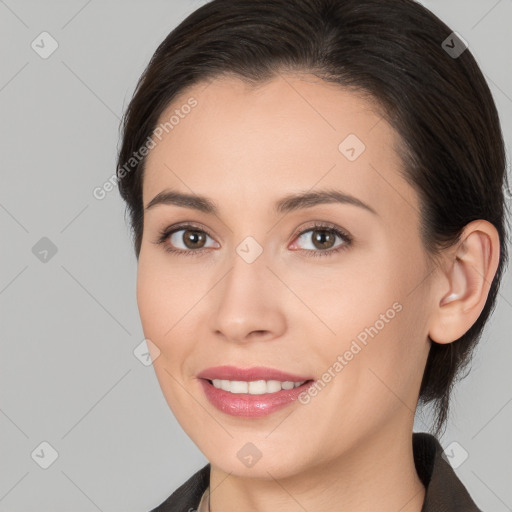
column 251, row 406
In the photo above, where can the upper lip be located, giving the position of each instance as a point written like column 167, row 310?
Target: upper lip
column 249, row 374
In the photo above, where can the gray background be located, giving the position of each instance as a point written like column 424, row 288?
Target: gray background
column 70, row 324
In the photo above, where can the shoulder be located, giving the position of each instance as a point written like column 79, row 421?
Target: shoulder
column 188, row 495
column 445, row 492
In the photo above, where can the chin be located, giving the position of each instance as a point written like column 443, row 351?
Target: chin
column 248, row 457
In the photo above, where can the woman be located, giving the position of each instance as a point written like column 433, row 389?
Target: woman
column 315, row 189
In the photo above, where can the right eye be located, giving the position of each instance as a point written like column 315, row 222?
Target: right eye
column 191, row 238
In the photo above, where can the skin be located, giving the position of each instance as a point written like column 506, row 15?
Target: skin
column 245, row 148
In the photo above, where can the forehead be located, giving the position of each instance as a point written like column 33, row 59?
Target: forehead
column 293, row 133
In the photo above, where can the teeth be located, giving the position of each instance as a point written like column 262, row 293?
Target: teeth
column 255, row 387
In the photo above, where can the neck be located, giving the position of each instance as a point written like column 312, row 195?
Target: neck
column 376, row 473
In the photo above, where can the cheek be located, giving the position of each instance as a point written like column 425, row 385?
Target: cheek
column 374, row 316
column 167, row 300
column 354, row 298
column 161, row 307
column 148, row 301
column 157, row 301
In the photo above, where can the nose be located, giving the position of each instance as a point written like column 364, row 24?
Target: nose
column 248, row 303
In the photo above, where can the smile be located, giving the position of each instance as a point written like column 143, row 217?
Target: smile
column 254, row 387
column 252, row 399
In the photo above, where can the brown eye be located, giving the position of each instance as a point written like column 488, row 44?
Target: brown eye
column 186, row 240
column 193, row 239
column 323, row 238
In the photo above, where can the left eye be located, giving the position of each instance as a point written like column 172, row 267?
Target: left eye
column 323, row 238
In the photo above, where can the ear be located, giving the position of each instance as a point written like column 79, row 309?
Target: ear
column 463, row 288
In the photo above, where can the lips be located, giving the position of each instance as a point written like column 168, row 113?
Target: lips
column 251, row 406
column 245, row 404
column 250, row 374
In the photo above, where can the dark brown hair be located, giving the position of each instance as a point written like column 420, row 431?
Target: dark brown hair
column 389, row 50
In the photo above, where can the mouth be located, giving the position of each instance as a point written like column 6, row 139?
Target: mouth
column 252, row 374
column 253, row 398
column 256, row 387
column 251, row 392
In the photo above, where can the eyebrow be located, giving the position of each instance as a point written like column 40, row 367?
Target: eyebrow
column 289, row 203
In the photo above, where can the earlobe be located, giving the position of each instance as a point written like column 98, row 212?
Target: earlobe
column 466, row 282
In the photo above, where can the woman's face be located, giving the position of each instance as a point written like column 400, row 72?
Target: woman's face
column 256, row 285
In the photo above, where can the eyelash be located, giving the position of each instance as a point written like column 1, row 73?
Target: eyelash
column 164, row 235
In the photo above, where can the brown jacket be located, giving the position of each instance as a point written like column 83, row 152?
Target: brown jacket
column 444, row 491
